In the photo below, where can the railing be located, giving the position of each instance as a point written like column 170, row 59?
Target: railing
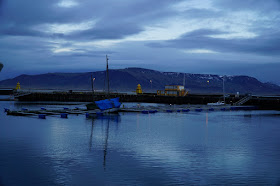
column 243, row 100
column 18, row 94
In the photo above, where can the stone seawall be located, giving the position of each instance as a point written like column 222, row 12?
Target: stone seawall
column 261, row 102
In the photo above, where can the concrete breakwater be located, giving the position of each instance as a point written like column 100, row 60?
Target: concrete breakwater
column 145, row 98
column 263, row 102
column 6, row 91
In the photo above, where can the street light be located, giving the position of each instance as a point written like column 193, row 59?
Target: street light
column 92, row 80
column 151, row 84
column 93, row 84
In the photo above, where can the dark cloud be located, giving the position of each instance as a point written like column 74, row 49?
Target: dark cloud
column 85, row 53
column 252, row 5
column 27, row 44
column 1, row 6
column 202, row 33
column 109, row 31
column 200, row 39
column 31, row 12
column 265, row 17
column 115, row 19
column 202, row 13
column 15, row 30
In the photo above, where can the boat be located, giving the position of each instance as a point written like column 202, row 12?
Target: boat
column 109, row 105
column 217, row 103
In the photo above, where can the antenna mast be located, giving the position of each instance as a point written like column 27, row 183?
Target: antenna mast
column 92, row 87
column 224, row 89
column 107, row 75
column 184, row 81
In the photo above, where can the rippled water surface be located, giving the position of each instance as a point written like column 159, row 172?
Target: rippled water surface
column 219, row 147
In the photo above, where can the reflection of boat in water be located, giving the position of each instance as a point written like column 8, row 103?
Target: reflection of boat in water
column 107, row 105
column 114, row 118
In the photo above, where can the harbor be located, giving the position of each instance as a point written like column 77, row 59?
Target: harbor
column 108, row 132
column 260, row 101
column 142, row 103
column 183, row 92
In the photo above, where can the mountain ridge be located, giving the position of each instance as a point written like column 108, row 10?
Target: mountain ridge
column 151, row 80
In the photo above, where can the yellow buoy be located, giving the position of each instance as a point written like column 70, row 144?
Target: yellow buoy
column 18, row 86
column 138, row 89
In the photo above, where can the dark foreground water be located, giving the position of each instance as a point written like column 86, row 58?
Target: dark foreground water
column 220, row 147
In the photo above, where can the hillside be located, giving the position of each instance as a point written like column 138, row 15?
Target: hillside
column 127, row 80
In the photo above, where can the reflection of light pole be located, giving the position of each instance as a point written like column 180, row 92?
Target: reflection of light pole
column 151, row 84
column 91, row 134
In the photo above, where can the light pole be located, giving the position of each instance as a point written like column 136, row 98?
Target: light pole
column 224, row 89
column 151, row 84
column 93, row 84
column 92, row 80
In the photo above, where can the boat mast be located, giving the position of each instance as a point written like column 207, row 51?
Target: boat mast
column 184, row 81
column 224, row 89
column 92, row 91
column 107, row 75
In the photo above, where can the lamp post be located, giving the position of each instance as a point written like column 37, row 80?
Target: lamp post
column 93, row 84
column 92, row 80
column 151, row 84
column 224, row 89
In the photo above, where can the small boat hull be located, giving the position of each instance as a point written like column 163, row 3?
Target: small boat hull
column 219, row 103
column 106, row 105
column 91, row 106
column 112, row 110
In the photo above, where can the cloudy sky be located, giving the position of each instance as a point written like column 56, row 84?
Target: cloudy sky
column 229, row 37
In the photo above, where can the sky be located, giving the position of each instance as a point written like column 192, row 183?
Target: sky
column 224, row 37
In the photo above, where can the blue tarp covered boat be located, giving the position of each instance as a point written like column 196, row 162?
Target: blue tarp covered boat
column 107, row 105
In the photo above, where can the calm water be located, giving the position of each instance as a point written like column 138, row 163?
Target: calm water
column 220, row 147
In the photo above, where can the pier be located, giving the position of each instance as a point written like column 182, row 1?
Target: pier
column 263, row 102
column 6, row 91
column 163, row 108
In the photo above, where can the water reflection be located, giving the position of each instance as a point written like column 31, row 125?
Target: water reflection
column 157, row 149
column 206, row 119
column 91, row 134
column 106, row 144
column 206, row 129
column 109, row 119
